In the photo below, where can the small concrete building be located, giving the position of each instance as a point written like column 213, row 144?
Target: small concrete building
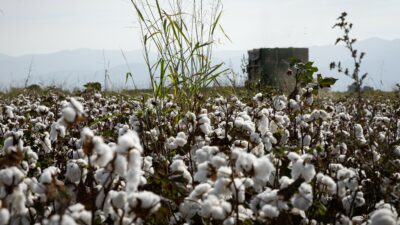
column 269, row 66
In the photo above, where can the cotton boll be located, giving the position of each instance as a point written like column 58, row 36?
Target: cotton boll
column 181, row 139
column 326, row 183
column 349, row 200
column 64, row 220
column 383, row 217
column 218, row 161
column 279, row 102
column 302, row 168
column 179, row 166
column 171, row 144
column 255, row 137
column 202, row 172
column 294, row 105
column 270, row 197
column 205, row 153
column 47, row 176
column 68, row 114
column 285, row 181
column 4, row 216
column 11, row 176
column 263, row 168
column 103, row 152
column 129, row 141
column 77, row 106
column 148, row 165
column 73, row 173
column 221, row 187
column 145, row 200
column 269, row 211
column 123, row 130
column 86, row 134
column 397, row 151
column 215, row 208
column 306, row 140
column 17, row 202
column 189, row 208
column 119, row 199
column 293, row 156
column 238, row 190
column 102, row 176
column 263, row 125
column 304, row 199
column 358, row 130
column 244, row 163
column 200, row 191
column 133, row 179
column 229, row 221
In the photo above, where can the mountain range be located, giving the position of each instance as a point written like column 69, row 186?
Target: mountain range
column 73, row 68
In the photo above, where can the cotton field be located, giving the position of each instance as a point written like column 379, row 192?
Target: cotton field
column 95, row 159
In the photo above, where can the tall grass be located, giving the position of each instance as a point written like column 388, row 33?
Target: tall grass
column 183, row 34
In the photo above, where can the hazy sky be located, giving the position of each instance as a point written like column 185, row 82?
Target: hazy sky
column 42, row 26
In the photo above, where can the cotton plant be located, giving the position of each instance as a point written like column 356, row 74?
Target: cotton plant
column 260, row 159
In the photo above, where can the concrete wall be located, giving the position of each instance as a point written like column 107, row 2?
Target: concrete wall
column 269, row 66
